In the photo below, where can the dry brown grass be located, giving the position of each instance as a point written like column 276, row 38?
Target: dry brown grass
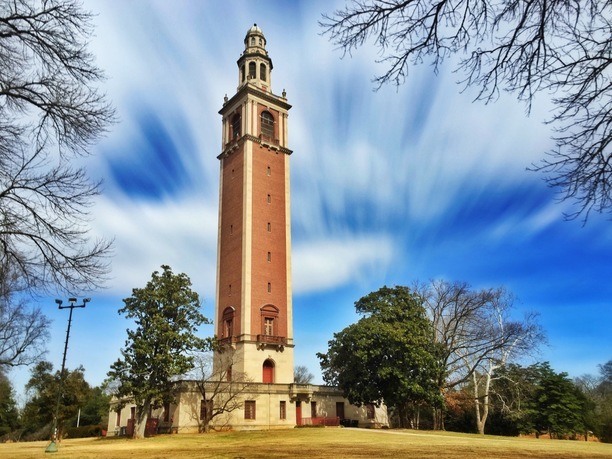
column 329, row 443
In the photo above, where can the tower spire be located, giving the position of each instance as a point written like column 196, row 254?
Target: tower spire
column 255, row 66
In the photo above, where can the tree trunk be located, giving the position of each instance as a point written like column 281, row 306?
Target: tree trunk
column 482, row 408
column 438, row 419
column 142, row 414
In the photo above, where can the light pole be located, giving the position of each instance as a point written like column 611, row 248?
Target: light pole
column 52, row 448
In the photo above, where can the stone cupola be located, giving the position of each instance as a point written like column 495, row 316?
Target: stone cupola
column 255, row 66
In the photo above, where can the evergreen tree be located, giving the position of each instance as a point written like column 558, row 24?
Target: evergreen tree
column 558, row 405
column 387, row 356
column 9, row 416
column 167, row 316
column 44, row 387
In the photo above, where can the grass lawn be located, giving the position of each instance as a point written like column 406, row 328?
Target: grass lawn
column 329, row 443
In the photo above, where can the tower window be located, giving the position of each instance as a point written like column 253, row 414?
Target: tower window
column 252, row 70
column 228, row 328
column 230, row 289
column 249, row 409
column 236, row 125
column 269, row 256
column 269, row 326
column 269, row 313
column 269, row 199
column 253, row 41
column 269, row 287
column 242, row 74
column 267, row 125
column 228, row 322
column 269, row 171
column 231, row 229
column 262, row 72
column 269, row 227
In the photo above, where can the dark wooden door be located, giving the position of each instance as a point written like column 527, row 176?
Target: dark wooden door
column 340, row 410
column 298, row 413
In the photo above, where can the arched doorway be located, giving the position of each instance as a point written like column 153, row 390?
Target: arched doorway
column 268, row 372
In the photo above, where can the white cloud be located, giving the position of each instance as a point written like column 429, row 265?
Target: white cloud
column 330, row 263
column 180, row 234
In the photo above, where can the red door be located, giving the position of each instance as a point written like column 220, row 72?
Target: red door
column 268, row 372
column 298, row 413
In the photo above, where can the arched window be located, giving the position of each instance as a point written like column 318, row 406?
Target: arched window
column 267, row 125
column 228, row 322
column 262, row 72
column 252, row 70
column 242, row 74
column 236, row 126
column 268, row 372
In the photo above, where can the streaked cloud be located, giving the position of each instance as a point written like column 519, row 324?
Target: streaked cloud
column 328, row 263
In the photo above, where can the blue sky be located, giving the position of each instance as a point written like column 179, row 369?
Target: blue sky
column 388, row 187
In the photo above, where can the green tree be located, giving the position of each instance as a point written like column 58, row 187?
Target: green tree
column 387, row 356
column 43, row 388
column 536, row 399
column 9, row 415
column 604, row 393
column 95, row 408
column 524, row 47
column 167, row 316
column 598, row 390
column 512, row 395
column 558, row 405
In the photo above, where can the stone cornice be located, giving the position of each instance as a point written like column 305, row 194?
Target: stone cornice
column 235, row 144
column 253, row 90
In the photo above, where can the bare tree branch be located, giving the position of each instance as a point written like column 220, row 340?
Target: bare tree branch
column 50, row 111
column 561, row 47
column 23, row 329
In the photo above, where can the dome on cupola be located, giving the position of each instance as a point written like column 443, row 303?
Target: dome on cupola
column 254, row 38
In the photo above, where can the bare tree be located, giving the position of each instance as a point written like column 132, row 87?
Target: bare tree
column 50, row 113
column 516, row 339
column 474, row 331
column 221, row 388
column 23, row 329
column 301, row 375
column 525, row 47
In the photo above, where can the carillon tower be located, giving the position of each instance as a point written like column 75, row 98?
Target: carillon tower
column 253, row 307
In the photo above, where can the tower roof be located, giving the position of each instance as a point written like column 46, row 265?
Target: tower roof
column 254, row 32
